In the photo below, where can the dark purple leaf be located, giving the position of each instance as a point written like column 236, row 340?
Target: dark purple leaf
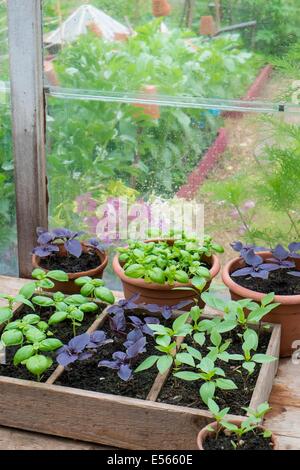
column 73, row 247
column 136, row 348
column 132, row 337
column 85, row 355
column 152, row 308
column 294, row 246
column 269, row 266
column 280, row 253
column 136, row 321
column 78, row 343
column 45, row 250
column 109, row 364
column 118, row 322
column 119, row 356
column 242, row 272
column 125, row 372
column 182, row 304
column 252, row 259
column 65, row 358
column 61, row 233
column 45, row 238
column 262, row 274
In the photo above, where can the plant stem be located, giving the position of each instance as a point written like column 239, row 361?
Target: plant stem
column 74, row 329
column 244, row 221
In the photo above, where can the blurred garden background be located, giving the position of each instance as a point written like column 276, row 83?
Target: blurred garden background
column 100, row 148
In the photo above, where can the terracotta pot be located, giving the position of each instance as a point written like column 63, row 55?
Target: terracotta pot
column 161, row 8
column 151, row 110
column 207, row 26
column 70, row 287
column 205, row 432
column 287, row 314
column 160, row 294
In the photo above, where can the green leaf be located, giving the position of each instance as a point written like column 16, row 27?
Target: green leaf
column 43, row 301
column 225, row 326
column 180, row 321
column 188, row 376
column 58, row 297
column 23, row 353
column 135, row 271
column 249, row 366
column 28, row 290
column 199, row 282
column 213, row 406
column 50, row 344
column 75, row 299
column 87, row 289
column 185, row 358
column 57, row 317
column 12, row 338
column 194, row 352
column 163, row 363
column 104, row 294
column 215, row 337
column 5, row 314
column 147, row 363
column 267, row 299
column 225, row 384
column 263, row 358
column 34, row 335
column 42, row 325
column 207, row 391
column 164, row 340
column 38, row 273
column 77, row 315
column 20, row 298
column 89, row 307
column 199, row 338
column 203, row 272
column 160, row 329
column 157, row 275
column 182, row 277
column 58, row 275
column 213, row 301
column 236, row 357
column 46, row 284
column 38, row 364
column 195, row 313
column 31, row 319
column 81, row 281
column 206, row 365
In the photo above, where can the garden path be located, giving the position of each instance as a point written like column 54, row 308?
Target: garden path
column 284, row 419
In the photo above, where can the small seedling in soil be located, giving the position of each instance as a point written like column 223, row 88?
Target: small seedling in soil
column 48, row 242
column 6, row 312
column 95, row 289
column 123, row 362
column 43, row 280
column 81, row 347
column 28, row 328
column 31, row 331
column 245, row 436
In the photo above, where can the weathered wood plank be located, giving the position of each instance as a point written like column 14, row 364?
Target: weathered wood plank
column 268, row 371
column 117, row 421
column 28, row 111
column 284, row 420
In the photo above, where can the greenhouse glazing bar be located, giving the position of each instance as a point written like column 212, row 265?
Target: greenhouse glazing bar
column 28, row 114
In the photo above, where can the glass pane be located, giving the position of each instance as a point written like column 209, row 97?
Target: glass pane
column 120, row 46
column 8, row 244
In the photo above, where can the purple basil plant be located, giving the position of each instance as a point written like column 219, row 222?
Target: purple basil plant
column 123, row 361
column 257, row 267
column 81, row 347
column 166, row 310
column 47, row 242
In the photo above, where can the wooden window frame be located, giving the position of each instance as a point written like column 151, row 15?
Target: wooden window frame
column 28, row 123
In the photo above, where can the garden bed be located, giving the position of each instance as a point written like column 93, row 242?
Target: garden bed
column 115, row 420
